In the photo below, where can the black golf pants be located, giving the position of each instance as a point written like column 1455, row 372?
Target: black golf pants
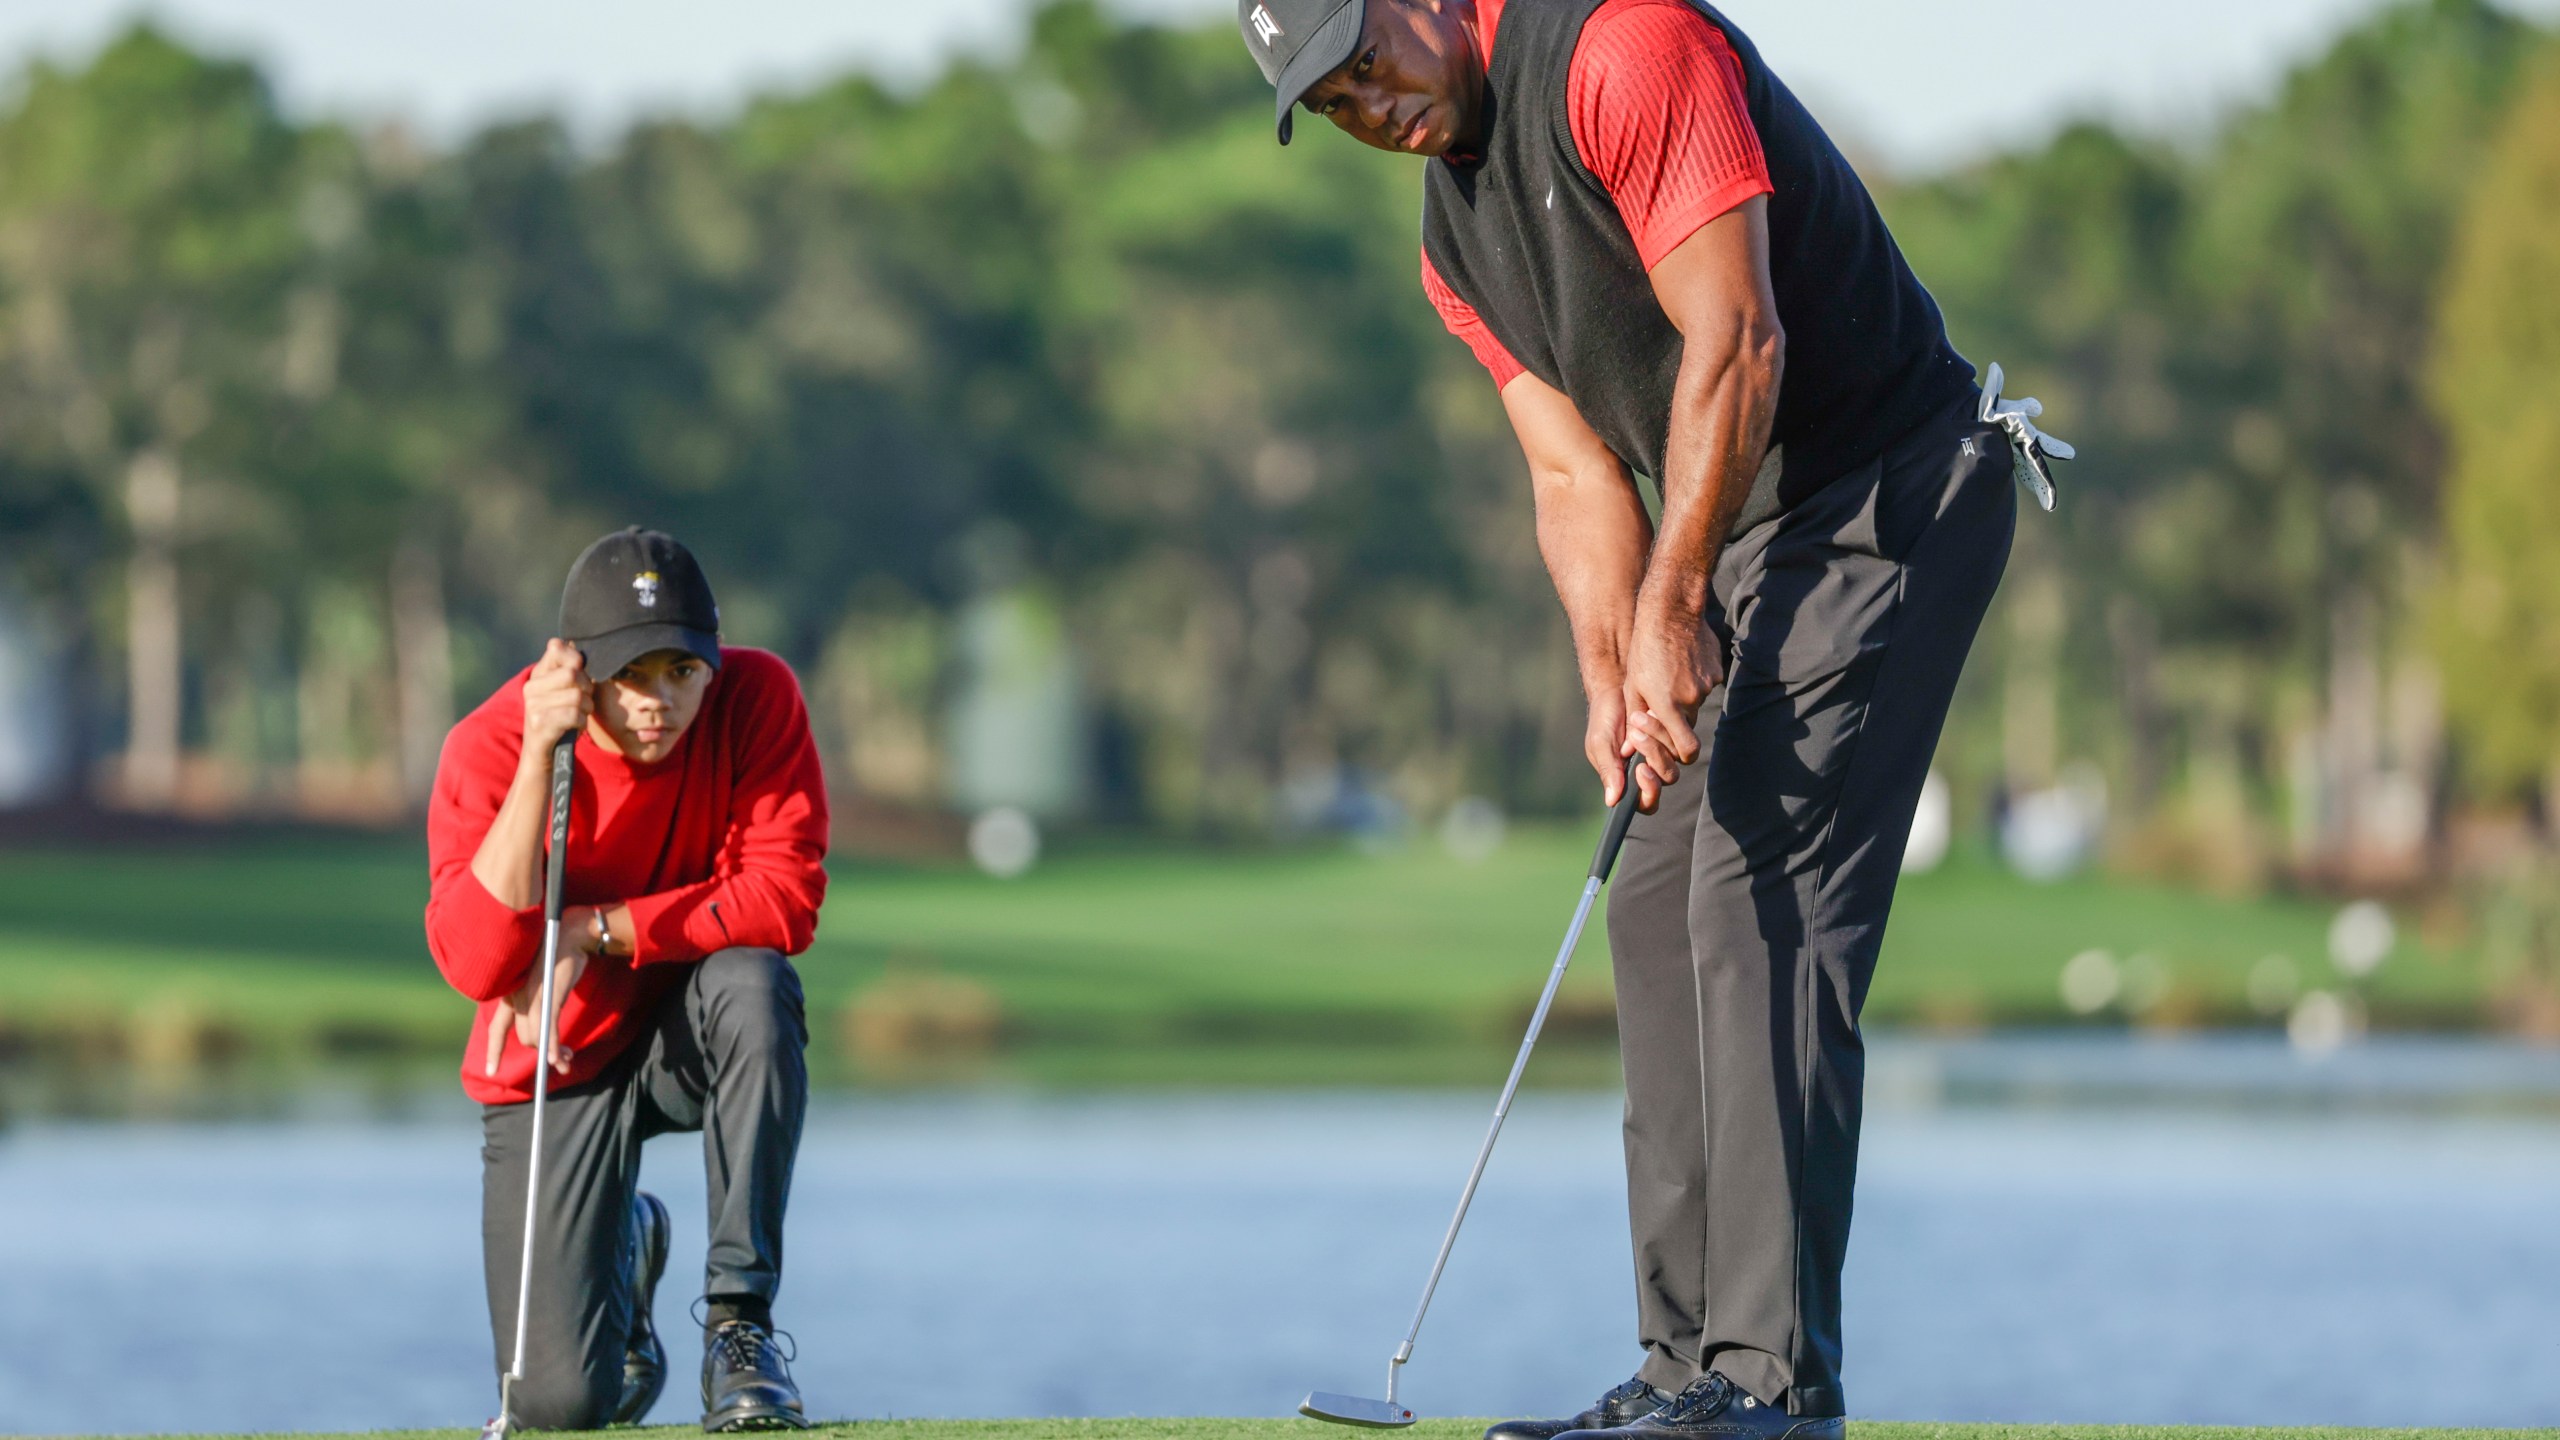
column 724, row 1056
column 1746, row 914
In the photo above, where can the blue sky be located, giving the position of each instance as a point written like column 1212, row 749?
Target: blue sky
column 1921, row 83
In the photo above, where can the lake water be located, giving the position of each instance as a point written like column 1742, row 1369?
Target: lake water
column 2200, row 1233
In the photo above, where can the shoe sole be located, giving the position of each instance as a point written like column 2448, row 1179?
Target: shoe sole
column 745, row 1420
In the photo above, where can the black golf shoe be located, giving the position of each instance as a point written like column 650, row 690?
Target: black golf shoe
column 746, row 1381
column 1624, row 1405
column 1714, row 1408
column 644, row 1358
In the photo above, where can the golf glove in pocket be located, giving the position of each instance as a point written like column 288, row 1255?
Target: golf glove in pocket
column 2032, row 451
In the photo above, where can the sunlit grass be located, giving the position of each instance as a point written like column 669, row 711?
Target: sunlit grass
column 1118, row 966
column 1294, row 1429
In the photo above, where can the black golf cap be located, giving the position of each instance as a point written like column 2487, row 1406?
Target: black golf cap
column 1298, row 42
column 635, row 591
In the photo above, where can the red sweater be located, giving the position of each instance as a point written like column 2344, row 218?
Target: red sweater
column 1654, row 100
column 719, row 844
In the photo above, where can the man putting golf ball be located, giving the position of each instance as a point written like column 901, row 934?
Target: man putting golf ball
column 1670, row 270
column 697, row 824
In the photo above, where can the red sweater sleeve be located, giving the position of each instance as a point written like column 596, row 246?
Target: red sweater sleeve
column 770, row 877
column 1656, row 103
column 1467, row 325
column 483, row 948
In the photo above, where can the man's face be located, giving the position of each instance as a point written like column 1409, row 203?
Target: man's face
column 1414, row 83
column 647, row 705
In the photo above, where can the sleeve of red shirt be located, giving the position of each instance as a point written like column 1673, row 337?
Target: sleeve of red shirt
column 1467, row 325
column 1656, row 103
column 483, row 947
column 770, row 877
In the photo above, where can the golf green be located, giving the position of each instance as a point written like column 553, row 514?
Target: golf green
column 1470, row 1428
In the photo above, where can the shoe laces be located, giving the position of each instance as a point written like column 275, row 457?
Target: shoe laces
column 1633, row 1389
column 1707, row 1395
column 743, row 1344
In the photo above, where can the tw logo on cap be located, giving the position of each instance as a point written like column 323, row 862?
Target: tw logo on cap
column 1265, row 29
column 646, row 585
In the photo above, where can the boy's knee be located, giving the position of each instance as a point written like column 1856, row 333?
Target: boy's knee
column 568, row 1399
column 750, row 972
column 753, row 988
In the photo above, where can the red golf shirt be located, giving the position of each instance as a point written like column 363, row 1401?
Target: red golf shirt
column 1655, row 102
column 719, row 844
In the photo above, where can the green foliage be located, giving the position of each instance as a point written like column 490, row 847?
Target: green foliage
column 2497, row 385
column 2229, row 335
column 148, row 238
column 1071, row 319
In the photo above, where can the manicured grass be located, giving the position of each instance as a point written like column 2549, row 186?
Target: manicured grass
column 1117, row 966
column 1297, row 1429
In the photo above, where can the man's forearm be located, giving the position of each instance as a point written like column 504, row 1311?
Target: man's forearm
column 1722, row 406
column 1593, row 535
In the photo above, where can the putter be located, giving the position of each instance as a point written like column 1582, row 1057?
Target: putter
column 1387, row 1414
column 563, row 768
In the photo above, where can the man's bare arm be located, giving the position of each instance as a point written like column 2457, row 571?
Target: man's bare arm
column 1716, row 289
column 1594, row 535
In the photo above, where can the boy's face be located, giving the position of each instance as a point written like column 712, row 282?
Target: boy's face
column 645, row 707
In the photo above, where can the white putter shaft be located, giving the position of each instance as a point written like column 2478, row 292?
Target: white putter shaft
column 563, row 769
column 1390, row 1414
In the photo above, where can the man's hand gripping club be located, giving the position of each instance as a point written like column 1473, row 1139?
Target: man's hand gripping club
column 1638, row 600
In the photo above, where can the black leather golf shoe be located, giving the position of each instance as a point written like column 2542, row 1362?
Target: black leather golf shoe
column 1714, row 1408
column 1624, row 1405
column 746, row 1381
column 644, row 1358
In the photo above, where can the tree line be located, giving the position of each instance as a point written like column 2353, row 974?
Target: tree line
column 300, row 423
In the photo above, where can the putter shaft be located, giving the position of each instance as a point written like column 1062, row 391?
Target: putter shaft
column 1602, row 862
column 563, row 770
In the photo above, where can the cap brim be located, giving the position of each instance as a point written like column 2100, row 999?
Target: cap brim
column 1325, row 52
column 608, row 653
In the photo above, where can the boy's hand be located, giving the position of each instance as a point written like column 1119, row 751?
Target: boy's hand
column 522, row 1011
column 557, row 698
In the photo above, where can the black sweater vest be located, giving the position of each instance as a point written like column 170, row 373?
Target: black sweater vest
column 1526, row 235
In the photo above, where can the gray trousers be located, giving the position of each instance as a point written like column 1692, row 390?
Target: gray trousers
column 725, row 1056
column 1746, row 914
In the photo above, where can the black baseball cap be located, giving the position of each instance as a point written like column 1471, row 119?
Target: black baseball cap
column 1299, row 42
column 635, row 591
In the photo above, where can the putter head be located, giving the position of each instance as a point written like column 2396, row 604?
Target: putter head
column 1353, row 1410
column 495, row 1429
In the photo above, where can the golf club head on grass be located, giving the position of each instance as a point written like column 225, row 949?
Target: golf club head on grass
column 495, row 1429
column 1353, row 1410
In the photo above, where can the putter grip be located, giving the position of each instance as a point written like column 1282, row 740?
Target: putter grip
column 564, row 768
column 1605, row 859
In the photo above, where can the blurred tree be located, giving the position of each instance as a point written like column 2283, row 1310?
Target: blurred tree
column 2229, row 336
column 2063, row 263
column 1065, row 330
column 2317, row 253
column 2496, row 382
column 149, row 238
column 1321, row 565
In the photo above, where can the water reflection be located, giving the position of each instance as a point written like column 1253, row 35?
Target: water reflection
column 1008, row 1254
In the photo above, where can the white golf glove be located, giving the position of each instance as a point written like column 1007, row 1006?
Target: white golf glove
column 2031, row 450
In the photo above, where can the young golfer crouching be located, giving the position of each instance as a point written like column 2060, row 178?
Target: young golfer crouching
column 697, row 824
